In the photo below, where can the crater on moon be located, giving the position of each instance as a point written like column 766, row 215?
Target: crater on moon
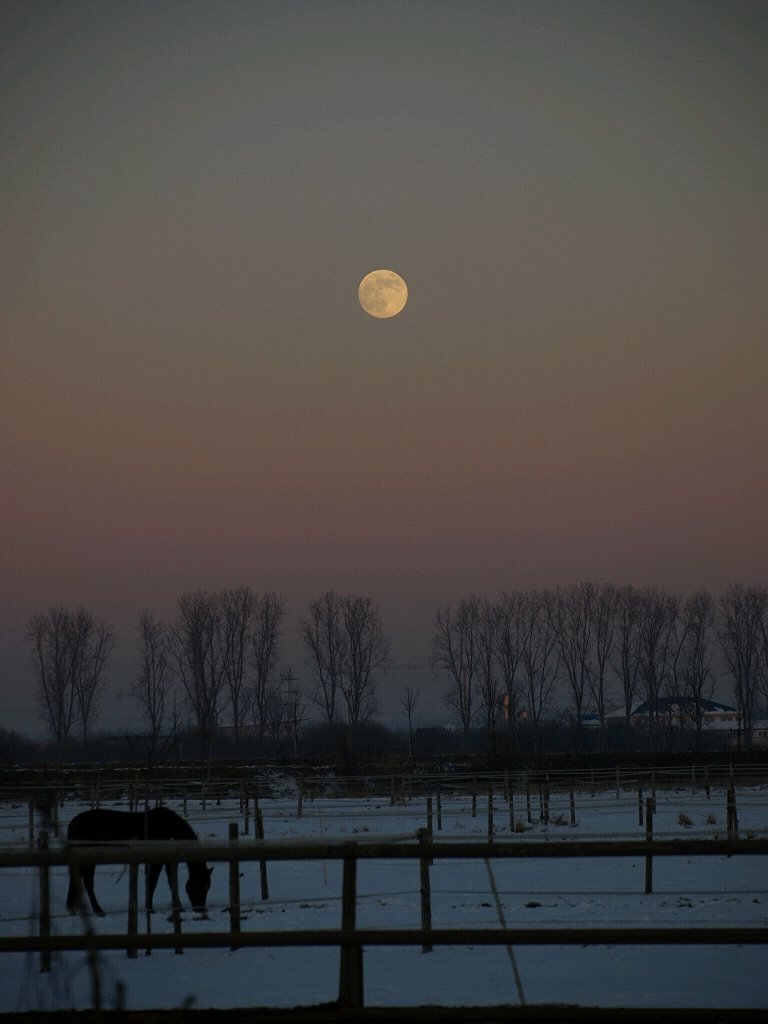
column 382, row 293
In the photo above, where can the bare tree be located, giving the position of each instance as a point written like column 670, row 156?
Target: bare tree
column 326, row 642
column 742, row 630
column 604, row 625
column 490, row 687
column 197, row 661
column 540, row 662
column 69, row 651
column 294, row 706
column 573, row 612
column 627, row 648
column 763, row 673
column 269, row 614
column 508, row 644
column 700, row 614
column 408, row 703
column 366, row 651
column 238, row 608
column 153, row 684
column 674, row 683
column 93, row 642
column 456, row 650
column 49, row 633
column 658, row 617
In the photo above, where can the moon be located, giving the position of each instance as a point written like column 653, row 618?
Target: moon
column 382, row 293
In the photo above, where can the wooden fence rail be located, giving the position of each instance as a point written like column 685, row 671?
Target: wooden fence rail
column 348, row 938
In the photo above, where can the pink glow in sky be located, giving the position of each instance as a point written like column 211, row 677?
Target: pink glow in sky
column 190, row 394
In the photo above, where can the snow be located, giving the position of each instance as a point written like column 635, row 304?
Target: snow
column 707, row 891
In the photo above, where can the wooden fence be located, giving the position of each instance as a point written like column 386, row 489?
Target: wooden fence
column 528, row 792
column 141, row 787
column 348, row 938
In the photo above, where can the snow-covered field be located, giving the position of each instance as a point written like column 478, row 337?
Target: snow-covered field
column 711, row 891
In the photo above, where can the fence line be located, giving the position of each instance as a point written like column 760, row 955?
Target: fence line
column 142, row 786
column 348, row 938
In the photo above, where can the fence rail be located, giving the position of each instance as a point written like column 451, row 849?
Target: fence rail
column 141, row 784
column 348, row 938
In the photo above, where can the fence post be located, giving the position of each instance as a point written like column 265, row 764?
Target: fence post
column 474, row 796
column 258, row 827
column 234, row 886
column 426, row 892
column 490, row 811
column 351, row 960
column 732, row 817
column 147, row 911
column 133, row 909
column 528, row 801
column 573, row 806
column 511, row 798
column 640, row 802
column 618, row 783
column 31, row 822
column 45, row 905
column 439, row 809
column 173, row 879
column 649, row 809
column 300, row 802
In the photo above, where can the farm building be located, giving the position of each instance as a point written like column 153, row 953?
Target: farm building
column 680, row 714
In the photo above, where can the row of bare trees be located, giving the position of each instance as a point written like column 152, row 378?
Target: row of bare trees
column 504, row 658
column 224, row 651
column 220, row 655
column 220, row 658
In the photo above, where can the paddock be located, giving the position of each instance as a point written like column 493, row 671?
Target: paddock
column 354, row 902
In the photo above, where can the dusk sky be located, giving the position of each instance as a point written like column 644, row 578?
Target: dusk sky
column 576, row 194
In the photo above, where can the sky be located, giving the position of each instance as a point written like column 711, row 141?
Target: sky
column 576, row 194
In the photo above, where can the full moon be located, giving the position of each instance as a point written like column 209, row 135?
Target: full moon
column 382, row 293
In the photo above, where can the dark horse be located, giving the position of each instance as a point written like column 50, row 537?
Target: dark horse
column 160, row 823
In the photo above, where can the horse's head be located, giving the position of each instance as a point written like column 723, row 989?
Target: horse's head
column 198, row 884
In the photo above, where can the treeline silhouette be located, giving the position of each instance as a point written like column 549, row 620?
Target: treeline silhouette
column 530, row 672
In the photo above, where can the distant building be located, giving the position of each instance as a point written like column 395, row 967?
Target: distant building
column 680, row 714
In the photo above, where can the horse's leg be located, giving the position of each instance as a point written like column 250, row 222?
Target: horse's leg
column 75, row 891
column 88, row 871
column 153, row 873
column 172, row 872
